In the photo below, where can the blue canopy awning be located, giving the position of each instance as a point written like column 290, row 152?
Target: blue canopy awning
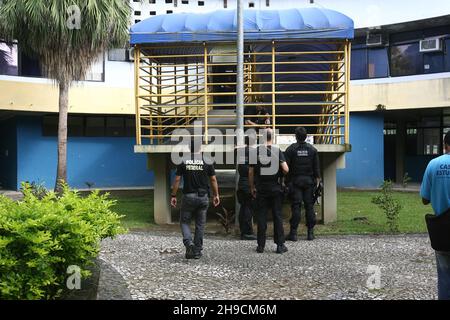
column 221, row 25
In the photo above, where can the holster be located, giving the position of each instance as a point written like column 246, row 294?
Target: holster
column 439, row 231
column 202, row 192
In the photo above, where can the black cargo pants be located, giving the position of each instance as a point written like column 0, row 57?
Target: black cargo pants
column 302, row 194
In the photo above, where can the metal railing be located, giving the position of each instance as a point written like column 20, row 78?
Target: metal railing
column 298, row 83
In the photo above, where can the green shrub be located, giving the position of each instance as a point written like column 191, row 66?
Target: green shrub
column 41, row 238
column 389, row 205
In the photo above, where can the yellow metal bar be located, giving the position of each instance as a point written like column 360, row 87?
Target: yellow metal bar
column 225, row 135
column 136, row 88
column 221, row 64
column 273, row 87
column 253, row 82
column 262, row 125
column 256, row 73
column 347, row 101
column 246, row 93
column 206, row 90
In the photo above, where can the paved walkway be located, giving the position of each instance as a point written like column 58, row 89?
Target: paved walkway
column 151, row 266
column 14, row 195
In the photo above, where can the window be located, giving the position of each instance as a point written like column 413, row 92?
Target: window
column 390, row 132
column 118, row 55
column 405, row 59
column 378, row 64
column 91, row 126
column 359, row 64
column 152, row 1
column 130, row 127
column 369, row 63
column 50, row 126
column 433, row 62
column 97, row 70
column 169, row 11
column 29, row 66
column 431, row 141
column 225, row 4
column 251, row 5
column 137, row 21
column 184, row 1
column 9, row 64
column 201, row 3
column 169, row 1
column 153, row 13
column 95, row 126
column 137, row 13
column 115, row 127
column 267, row 3
column 75, row 126
column 447, row 55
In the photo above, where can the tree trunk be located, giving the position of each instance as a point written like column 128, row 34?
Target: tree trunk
column 61, row 176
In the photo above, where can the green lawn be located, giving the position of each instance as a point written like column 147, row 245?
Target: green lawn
column 138, row 210
column 356, row 213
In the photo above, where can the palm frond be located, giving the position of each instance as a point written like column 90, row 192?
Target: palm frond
column 65, row 53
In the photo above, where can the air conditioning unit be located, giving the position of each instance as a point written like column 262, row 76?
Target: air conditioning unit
column 431, row 45
column 375, row 40
column 130, row 54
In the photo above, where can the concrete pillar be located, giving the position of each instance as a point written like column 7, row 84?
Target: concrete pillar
column 329, row 198
column 160, row 164
column 400, row 149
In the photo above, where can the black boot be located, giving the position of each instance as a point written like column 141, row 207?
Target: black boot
column 190, row 252
column 260, row 249
column 281, row 248
column 311, row 236
column 248, row 237
column 292, row 236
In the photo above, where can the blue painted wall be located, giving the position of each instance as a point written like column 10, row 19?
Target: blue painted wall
column 107, row 162
column 365, row 164
column 8, row 154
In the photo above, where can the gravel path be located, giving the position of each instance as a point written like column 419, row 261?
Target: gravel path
column 152, row 266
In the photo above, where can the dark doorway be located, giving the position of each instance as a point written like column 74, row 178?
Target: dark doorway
column 8, row 153
column 390, row 151
column 225, row 78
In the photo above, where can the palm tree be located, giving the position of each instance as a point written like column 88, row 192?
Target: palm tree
column 67, row 36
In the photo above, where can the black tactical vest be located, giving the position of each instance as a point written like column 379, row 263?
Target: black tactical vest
column 302, row 159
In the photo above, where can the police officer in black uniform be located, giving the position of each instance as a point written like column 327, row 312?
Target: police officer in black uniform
column 265, row 182
column 304, row 177
column 257, row 116
column 195, row 171
column 246, row 201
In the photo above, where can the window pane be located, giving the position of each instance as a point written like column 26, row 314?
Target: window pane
column 433, row 62
column 359, row 64
column 378, row 66
column 29, row 66
column 50, row 126
column 118, row 55
column 96, row 71
column 406, row 60
column 447, row 54
column 130, row 127
column 115, row 127
column 95, row 126
column 75, row 126
column 431, row 141
column 430, row 122
column 8, row 59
